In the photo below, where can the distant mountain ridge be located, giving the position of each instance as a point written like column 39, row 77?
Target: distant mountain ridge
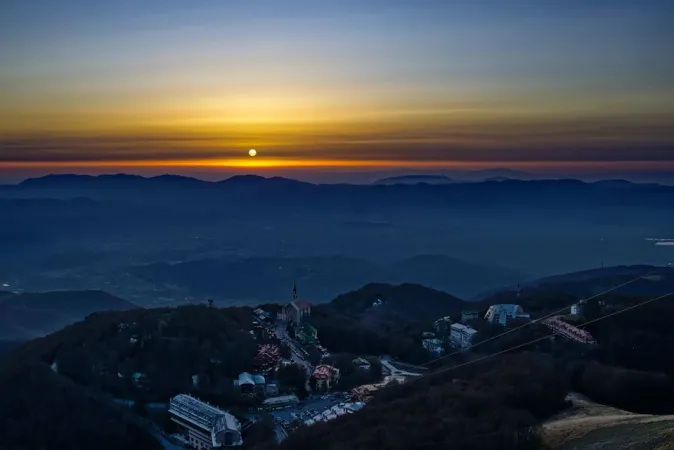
column 128, row 180
column 414, row 179
column 655, row 280
column 30, row 315
column 251, row 192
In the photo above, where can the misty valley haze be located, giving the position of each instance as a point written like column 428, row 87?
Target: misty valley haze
column 244, row 240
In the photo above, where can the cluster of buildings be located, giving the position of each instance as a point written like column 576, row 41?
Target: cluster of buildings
column 267, row 359
column 204, row 426
column 295, row 313
column 334, row 412
column 448, row 334
column 462, row 335
column 365, row 392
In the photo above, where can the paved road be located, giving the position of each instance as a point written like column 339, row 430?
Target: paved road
column 297, row 354
column 395, row 371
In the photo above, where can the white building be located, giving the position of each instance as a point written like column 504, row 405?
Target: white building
column 500, row 314
column 462, row 336
column 206, row 427
column 578, row 309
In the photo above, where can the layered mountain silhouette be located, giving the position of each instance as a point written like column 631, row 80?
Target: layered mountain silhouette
column 28, row 315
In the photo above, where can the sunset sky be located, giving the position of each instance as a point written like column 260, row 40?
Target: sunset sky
column 174, row 85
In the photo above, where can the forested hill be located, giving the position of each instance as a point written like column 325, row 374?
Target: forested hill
column 563, row 290
column 29, row 315
column 411, row 301
column 495, row 406
column 383, row 319
column 41, row 410
column 56, row 391
column 590, row 282
column 167, row 345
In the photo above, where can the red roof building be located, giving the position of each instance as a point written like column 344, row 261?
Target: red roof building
column 325, row 376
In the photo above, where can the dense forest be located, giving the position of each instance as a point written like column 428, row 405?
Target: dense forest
column 41, row 410
column 151, row 354
column 383, row 319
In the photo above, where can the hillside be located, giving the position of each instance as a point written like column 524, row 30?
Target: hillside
column 492, row 404
column 591, row 426
column 167, row 345
column 28, row 315
column 407, row 302
column 356, row 323
column 41, row 410
column 656, row 280
column 63, row 384
column 487, row 409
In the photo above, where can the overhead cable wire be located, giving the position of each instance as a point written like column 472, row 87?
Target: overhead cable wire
column 554, row 313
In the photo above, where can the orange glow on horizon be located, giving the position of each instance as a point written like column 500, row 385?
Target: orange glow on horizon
column 238, row 163
column 258, row 163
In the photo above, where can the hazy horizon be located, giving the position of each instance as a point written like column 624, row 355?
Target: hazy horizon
column 365, row 175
